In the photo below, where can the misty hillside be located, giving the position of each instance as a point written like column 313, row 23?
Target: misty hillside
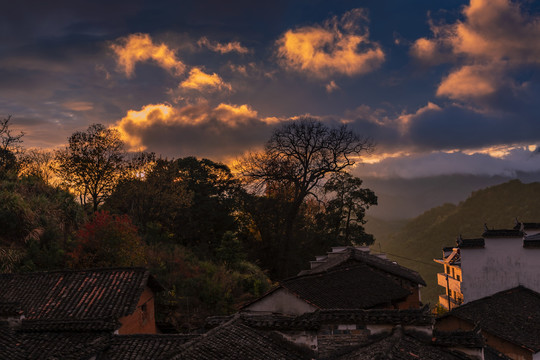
column 401, row 198
column 421, row 239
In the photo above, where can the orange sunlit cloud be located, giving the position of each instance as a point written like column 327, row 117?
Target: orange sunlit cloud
column 494, row 37
column 136, row 122
column 233, row 46
column 136, row 48
column 469, row 81
column 339, row 46
column 199, row 80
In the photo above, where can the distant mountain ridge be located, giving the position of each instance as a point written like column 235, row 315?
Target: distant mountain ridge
column 421, row 239
column 401, row 198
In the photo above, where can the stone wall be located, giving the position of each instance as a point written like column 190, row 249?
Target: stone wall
column 332, row 338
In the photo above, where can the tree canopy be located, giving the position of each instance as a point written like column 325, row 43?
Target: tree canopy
column 293, row 165
column 92, row 163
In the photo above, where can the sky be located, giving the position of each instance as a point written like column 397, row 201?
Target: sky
column 442, row 87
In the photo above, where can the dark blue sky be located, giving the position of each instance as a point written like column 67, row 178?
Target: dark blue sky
column 442, row 90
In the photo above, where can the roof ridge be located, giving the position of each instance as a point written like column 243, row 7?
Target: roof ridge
column 499, row 293
column 326, row 271
column 99, row 269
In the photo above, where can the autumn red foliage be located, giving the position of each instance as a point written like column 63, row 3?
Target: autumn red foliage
column 108, row 240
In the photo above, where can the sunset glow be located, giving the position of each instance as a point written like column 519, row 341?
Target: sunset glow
column 453, row 82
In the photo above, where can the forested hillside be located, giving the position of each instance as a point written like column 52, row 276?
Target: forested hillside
column 421, row 239
column 213, row 237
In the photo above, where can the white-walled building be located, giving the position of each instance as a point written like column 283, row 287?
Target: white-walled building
column 500, row 260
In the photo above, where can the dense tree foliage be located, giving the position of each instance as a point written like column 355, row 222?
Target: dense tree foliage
column 106, row 241
column 191, row 221
column 92, row 163
column 346, row 209
column 37, row 222
column 189, row 201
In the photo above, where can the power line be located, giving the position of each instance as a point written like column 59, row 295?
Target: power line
column 414, row 260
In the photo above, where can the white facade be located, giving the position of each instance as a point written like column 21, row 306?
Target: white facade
column 503, row 263
column 280, row 301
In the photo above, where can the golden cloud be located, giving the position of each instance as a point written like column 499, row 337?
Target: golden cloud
column 136, row 123
column 199, row 80
column 339, row 46
column 233, row 46
column 469, row 81
column 494, row 35
column 136, row 48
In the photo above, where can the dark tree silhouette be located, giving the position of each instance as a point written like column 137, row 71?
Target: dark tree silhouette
column 92, row 163
column 9, row 146
column 297, row 158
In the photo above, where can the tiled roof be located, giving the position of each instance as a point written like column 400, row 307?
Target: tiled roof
column 504, row 233
column 314, row 320
column 471, row 243
column 69, row 325
column 15, row 345
column 10, row 308
column 356, row 286
column 76, row 294
column 234, row 340
column 143, row 346
column 527, row 225
column 401, row 345
column 375, row 316
column 532, row 241
column 512, row 315
column 470, row 339
column 350, row 253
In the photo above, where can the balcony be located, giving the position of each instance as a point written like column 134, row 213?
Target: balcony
column 452, row 283
column 443, row 300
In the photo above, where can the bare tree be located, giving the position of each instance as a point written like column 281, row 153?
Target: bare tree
column 9, row 145
column 38, row 163
column 297, row 158
column 92, row 163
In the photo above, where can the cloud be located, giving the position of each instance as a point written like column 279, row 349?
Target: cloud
column 219, row 132
column 469, row 81
column 338, row 46
column 78, row 105
column 331, row 86
column 201, row 81
column 517, row 159
column 493, row 42
column 233, row 46
column 136, row 48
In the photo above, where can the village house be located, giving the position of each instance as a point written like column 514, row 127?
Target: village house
column 509, row 321
column 501, row 259
column 96, row 314
column 121, row 296
column 107, row 314
column 347, row 335
column 346, row 278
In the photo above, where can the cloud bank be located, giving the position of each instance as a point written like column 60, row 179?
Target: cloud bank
column 220, row 132
column 136, row 48
column 340, row 46
column 494, row 40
